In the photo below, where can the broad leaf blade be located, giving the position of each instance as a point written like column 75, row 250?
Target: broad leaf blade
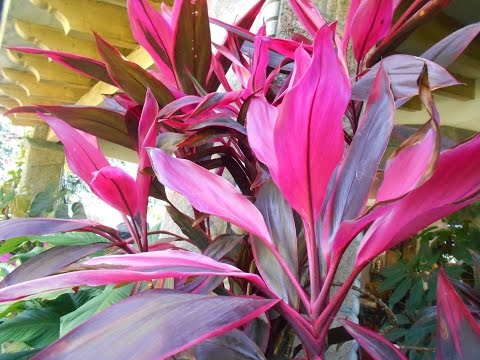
column 404, row 71
column 278, row 216
column 106, row 270
column 374, row 344
column 308, row 15
column 208, row 192
column 450, row 48
column 109, row 296
column 39, row 226
column 458, row 334
column 192, row 44
column 371, row 23
column 130, row 77
column 185, row 223
column 310, row 144
column 212, row 315
column 50, row 261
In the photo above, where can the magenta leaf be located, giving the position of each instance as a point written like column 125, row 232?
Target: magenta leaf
column 371, row 23
column 308, row 15
column 261, row 120
column 117, row 188
column 309, row 145
column 212, row 316
column 86, row 66
column 208, row 193
column 41, row 226
column 446, row 51
column 454, row 184
column 365, row 153
column 152, row 31
column 192, row 45
column 50, row 261
column 374, row 344
column 116, row 269
column 147, row 129
column 458, row 333
column 404, row 71
column 82, row 156
column 278, row 216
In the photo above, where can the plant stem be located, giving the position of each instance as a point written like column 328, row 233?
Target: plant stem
column 325, row 291
column 163, row 232
column 313, row 265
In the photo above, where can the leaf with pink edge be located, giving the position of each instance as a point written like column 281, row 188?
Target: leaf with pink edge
column 308, row 15
column 458, row 333
column 213, row 316
column 378, row 347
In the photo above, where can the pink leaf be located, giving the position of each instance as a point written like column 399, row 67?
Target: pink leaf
column 261, row 119
column 458, row 334
column 308, row 15
column 118, row 189
column 154, row 33
column 352, row 10
column 454, row 184
column 208, row 193
column 374, row 344
column 147, row 129
column 372, row 21
column 128, row 268
column 309, row 145
column 83, row 158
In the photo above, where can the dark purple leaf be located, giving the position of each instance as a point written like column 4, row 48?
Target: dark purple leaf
column 40, row 226
column 86, row 66
column 192, row 45
column 50, row 261
column 130, row 77
column 102, row 123
column 219, row 121
column 458, row 334
column 368, row 146
column 404, row 71
column 374, row 344
column 446, row 51
column 234, row 345
column 144, row 329
column 278, row 216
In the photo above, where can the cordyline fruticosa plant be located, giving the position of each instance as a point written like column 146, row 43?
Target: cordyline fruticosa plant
column 302, row 182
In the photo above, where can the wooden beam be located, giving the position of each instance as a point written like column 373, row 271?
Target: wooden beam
column 44, row 69
column 54, row 90
column 19, row 94
column 52, row 39
column 8, row 102
column 24, row 119
column 84, row 16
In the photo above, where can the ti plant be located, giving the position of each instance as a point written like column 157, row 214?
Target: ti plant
column 302, row 181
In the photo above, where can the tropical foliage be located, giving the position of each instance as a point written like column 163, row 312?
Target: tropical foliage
column 301, row 178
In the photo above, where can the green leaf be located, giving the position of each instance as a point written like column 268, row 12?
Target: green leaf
column 184, row 222
column 400, row 292
column 35, row 327
column 21, row 355
column 68, row 239
column 414, row 301
column 108, row 297
column 78, row 211
column 41, row 204
column 12, row 244
column 393, row 276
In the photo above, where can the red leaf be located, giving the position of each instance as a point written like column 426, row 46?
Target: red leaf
column 374, row 344
column 371, row 22
column 458, row 334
